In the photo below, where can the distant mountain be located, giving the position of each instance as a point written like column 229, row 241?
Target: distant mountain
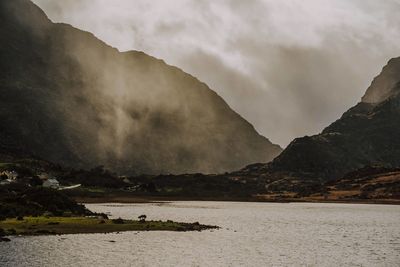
column 367, row 134
column 69, row 98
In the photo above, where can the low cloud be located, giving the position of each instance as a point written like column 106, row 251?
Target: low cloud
column 289, row 67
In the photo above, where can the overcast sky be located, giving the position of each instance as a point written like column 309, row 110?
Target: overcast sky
column 290, row 67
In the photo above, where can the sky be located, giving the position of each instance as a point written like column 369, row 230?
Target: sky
column 290, row 67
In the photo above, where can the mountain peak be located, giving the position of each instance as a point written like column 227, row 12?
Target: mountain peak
column 385, row 85
column 366, row 135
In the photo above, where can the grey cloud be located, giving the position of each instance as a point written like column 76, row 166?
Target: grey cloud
column 289, row 67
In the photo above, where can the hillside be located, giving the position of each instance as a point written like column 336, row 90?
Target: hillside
column 69, row 98
column 367, row 183
column 366, row 135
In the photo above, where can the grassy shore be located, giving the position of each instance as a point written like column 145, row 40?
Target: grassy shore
column 80, row 225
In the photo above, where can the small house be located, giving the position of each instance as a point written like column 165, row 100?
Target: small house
column 11, row 175
column 51, row 183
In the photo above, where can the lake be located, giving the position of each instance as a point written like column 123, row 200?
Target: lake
column 252, row 234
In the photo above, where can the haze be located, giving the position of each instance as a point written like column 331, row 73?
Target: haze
column 289, row 67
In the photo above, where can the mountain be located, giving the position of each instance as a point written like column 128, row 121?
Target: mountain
column 69, row 98
column 367, row 183
column 366, row 135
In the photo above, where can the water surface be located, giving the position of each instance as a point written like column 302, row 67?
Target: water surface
column 252, row 234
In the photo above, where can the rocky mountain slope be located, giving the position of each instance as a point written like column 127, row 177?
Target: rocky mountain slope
column 367, row 183
column 368, row 134
column 69, row 98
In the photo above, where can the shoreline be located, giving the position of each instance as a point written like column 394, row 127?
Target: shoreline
column 156, row 199
column 36, row 226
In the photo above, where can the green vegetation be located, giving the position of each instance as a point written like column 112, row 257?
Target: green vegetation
column 3, row 165
column 22, row 200
column 9, row 166
column 96, row 177
column 30, row 210
column 217, row 186
column 78, row 225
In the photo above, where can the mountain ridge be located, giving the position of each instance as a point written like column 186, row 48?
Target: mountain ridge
column 384, row 85
column 365, row 135
column 70, row 98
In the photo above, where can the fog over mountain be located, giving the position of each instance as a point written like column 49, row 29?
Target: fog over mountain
column 365, row 135
column 289, row 67
column 70, row 98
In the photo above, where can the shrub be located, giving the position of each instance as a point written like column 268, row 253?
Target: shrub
column 12, row 231
column 103, row 216
column 142, row 218
column 118, row 221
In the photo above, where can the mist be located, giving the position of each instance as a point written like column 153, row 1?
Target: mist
column 87, row 104
column 288, row 67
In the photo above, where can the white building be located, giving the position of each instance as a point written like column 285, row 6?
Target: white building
column 51, row 183
column 11, row 175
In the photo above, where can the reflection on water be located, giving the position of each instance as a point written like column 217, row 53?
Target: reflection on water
column 252, row 234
